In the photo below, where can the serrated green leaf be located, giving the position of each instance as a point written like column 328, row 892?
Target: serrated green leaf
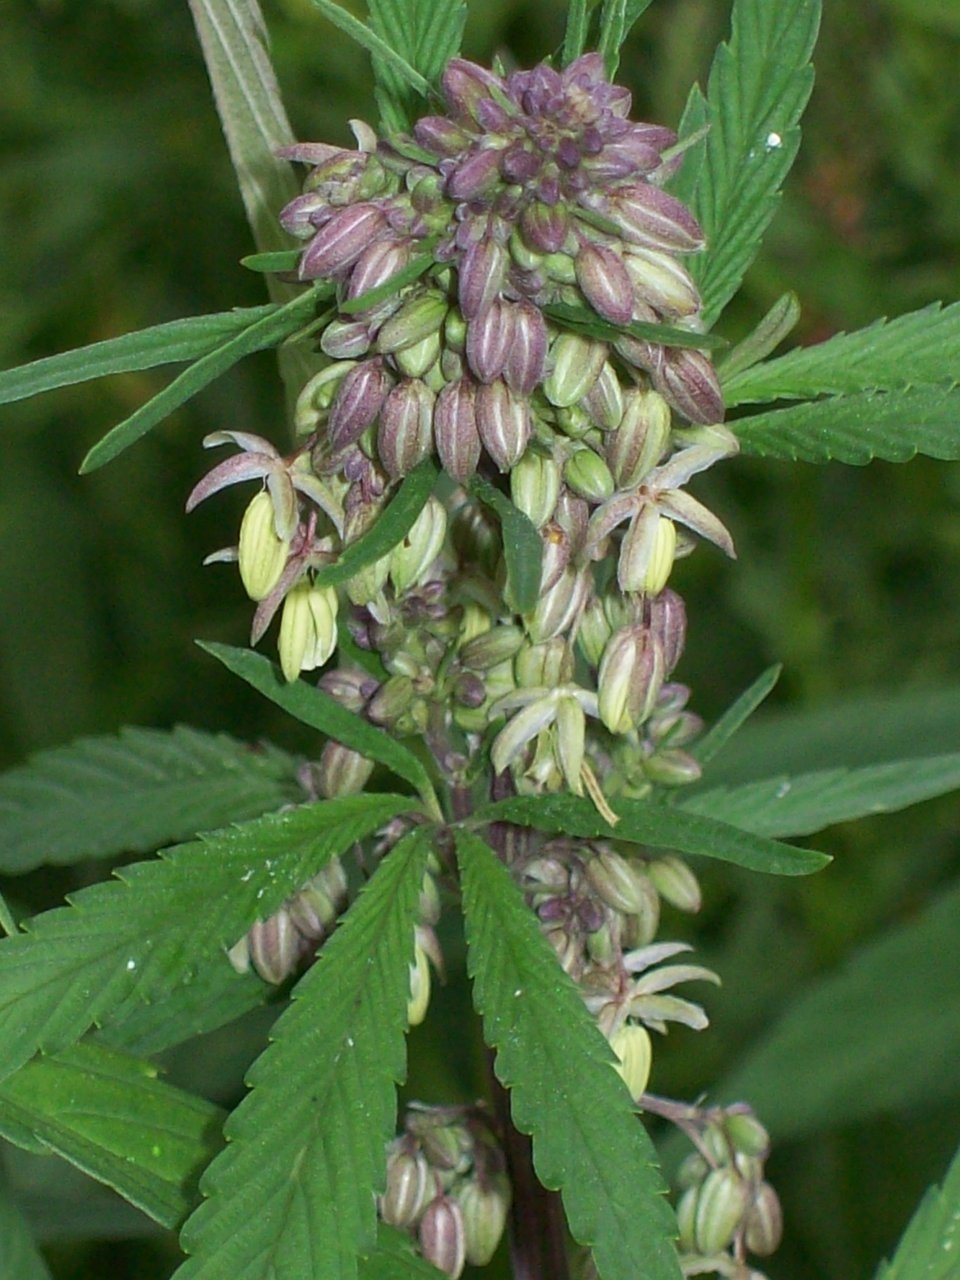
column 878, row 1036
column 20, row 1259
column 928, row 1247
column 144, row 934
column 808, row 802
column 385, row 57
column 921, row 347
column 102, row 797
column 108, row 1114
column 575, row 32
column 169, row 343
column 315, row 708
column 292, row 1193
column 427, row 33
column 660, row 826
column 692, row 137
column 522, row 546
column 587, row 1141
column 736, row 715
column 759, row 85
column 215, row 996
column 891, row 425
column 580, row 320
column 845, row 733
column 389, row 530
column 266, row 331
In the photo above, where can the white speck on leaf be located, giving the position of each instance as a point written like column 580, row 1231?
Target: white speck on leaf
column 782, row 790
column 773, row 141
column 131, row 965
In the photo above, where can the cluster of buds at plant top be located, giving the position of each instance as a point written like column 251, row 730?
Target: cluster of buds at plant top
column 727, row 1209
column 600, row 910
column 446, row 1185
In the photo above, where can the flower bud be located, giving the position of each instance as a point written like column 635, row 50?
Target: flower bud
column 686, row 1219
column 314, row 401
column 490, row 649
column 571, row 741
column 275, row 946
column 408, row 1187
column 405, row 432
column 641, row 438
column 503, row 421
column 661, row 282
column 378, row 263
column 544, row 666
column 391, row 701
column 455, row 429
column 359, row 399
column 648, row 216
column 575, row 362
column 647, row 553
column 308, row 628
column 675, row 882
column 484, row 1212
column 668, row 622
column 527, row 356
column 411, row 559
column 341, row 240
column 588, row 475
column 616, row 881
column 466, row 85
column 421, row 361
column 595, row 631
column 419, row 987
column 262, row 554
column 605, row 282
column 672, row 767
column 544, row 226
column 440, row 135
column 482, row 273
column 630, row 676
column 345, row 339
column 489, row 339
column 763, row 1222
column 604, row 401
column 343, row 771
column 747, row 1134
column 442, row 1237
column 535, row 486
column 689, row 381
column 631, row 1044
column 721, row 1203
column 558, row 606
column 420, row 317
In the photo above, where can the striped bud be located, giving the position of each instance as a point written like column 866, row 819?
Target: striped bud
column 262, row 555
column 661, row 282
column 722, row 1201
column 631, row 1044
column 341, row 240
column 527, row 357
column 587, row 474
column 359, row 399
column 641, row 438
column 544, row 665
column 604, row 401
column 411, row 559
column 342, row 771
column 466, row 85
column 503, row 421
column 420, row 317
column 378, row 263
column 535, row 486
column 274, row 946
column 605, row 282
column 489, row 339
column 408, row 1187
column 490, row 649
column 442, row 1237
column 595, row 631
column 646, row 215
column 647, row 553
column 630, row 677
column 345, row 339
column 440, row 135
column 763, row 1222
column 455, row 429
column 483, row 270
column 557, row 607
column 477, row 175
column 575, row 363
column 484, row 1210
column 308, row 628
column 689, row 381
column 617, row 881
column 544, row 227
column 405, row 431
column 675, row 882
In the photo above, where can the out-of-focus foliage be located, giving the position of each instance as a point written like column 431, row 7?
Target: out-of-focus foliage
column 118, row 210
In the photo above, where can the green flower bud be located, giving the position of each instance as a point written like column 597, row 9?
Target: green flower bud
column 721, row 1203
column 392, row 700
column 411, row 559
column 763, row 1222
column 595, row 631
column 316, row 399
column 491, row 648
column 409, row 1187
column 484, row 1212
column 262, row 554
column 675, row 882
column 647, row 553
column 561, row 268
column 571, row 740
column 575, row 364
column 274, row 946
column 558, row 606
column 422, row 316
column 308, row 628
column 641, row 438
column 692, row 1171
column 604, row 400
column 616, row 881
column 535, row 486
column 686, row 1218
column 419, row 987
column 588, row 475
column 342, row 771
column 631, row 1044
column 747, row 1134
column 416, row 360
column 672, row 767
column 455, row 330
column 631, row 674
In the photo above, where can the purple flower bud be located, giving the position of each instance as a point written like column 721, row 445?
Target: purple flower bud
column 440, row 135
column 489, row 340
column 689, row 381
column 455, row 429
column 475, row 176
column 648, row 216
column 519, row 164
column 274, row 946
column 378, row 263
column 527, row 357
column 482, row 272
column 303, row 215
column 503, row 420
column 341, row 241
column 405, row 434
column 604, row 401
column 442, row 1237
column 544, row 226
column 465, row 85
column 345, row 339
column 668, row 622
column 605, row 282
column 358, row 401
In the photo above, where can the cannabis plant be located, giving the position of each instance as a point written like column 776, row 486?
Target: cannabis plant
column 500, row 326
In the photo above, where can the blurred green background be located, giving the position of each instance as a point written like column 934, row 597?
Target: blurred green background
column 118, row 210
